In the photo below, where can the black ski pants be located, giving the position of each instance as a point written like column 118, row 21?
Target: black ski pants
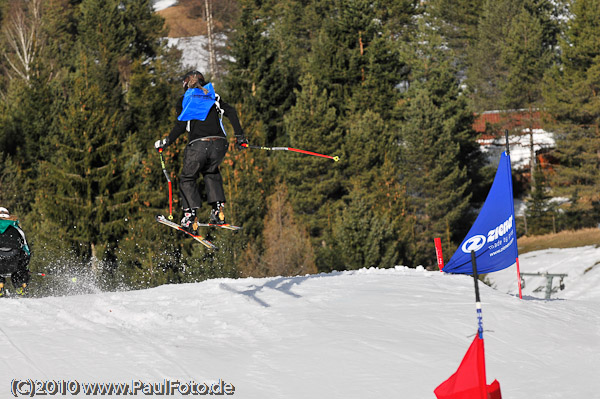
column 13, row 259
column 202, row 156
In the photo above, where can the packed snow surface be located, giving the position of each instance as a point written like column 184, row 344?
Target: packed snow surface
column 578, row 268
column 162, row 4
column 371, row 333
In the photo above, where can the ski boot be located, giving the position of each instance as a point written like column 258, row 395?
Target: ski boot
column 189, row 221
column 2, row 290
column 217, row 214
column 22, row 290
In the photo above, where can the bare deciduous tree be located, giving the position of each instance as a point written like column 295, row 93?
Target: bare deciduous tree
column 22, row 31
column 212, row 57
column 288, row 250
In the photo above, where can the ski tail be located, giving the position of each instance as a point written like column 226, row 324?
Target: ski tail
column 226, row 226
column 197, row 237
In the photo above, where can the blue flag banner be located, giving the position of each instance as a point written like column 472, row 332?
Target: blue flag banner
column 493, row 236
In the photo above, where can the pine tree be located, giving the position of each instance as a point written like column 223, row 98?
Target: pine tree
column 29, row 117
column 80, row 180
column 59, row 24
column 316, row 184
column 571, row 95
column 264, row 73
column 365, row 236
column 86, row 189
column 526, row 55
column 348, row 90
column 540, row 212
column 437, row 155
column 150, row 98
column 507, row 31
column 458, row 20
column 260, row 84
column 372, row 218
column 14, row 190
column 436, row 186
column 335, row 61
column 485, row 68
column 146, row 70
column 31, row 100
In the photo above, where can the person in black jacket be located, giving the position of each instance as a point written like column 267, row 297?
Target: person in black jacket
column 200, row 114
column 14, row 253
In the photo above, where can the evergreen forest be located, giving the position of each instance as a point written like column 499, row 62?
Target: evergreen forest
column 392, row 87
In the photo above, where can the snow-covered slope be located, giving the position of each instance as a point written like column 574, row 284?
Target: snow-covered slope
column 162, row 4
column 194, row 48
column 377, row 333
column 582, row 265
column 194, row 53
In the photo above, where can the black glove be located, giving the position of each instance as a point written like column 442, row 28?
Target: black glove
column 239, row 140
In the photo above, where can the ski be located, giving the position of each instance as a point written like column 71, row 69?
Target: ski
column 222, row 226
column 11, row 294
column 197, row 237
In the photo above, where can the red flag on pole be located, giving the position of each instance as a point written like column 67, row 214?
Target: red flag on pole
column 438, row 251
column 469, row 381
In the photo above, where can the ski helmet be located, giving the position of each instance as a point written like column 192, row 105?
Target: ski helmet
column 4, row 213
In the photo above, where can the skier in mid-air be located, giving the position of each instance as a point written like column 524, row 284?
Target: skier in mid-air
column 14, row 254
column 200, row 112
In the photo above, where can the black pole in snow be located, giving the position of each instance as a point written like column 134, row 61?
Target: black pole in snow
column 477, row 299
column 517, row 260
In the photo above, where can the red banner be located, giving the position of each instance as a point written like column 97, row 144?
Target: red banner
column 469, row 381
column 438, row 252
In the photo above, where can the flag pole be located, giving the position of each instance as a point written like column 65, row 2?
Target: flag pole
column 438, row 252
column 469, row 380
column 477, row 299
column 483, row 394
column 517, row 260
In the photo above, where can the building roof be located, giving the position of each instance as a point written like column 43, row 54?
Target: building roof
column 491, row 126
column 498, row 121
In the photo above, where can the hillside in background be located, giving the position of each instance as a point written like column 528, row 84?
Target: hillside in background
column 184, row 18
column 563, row 239
column 187, row 29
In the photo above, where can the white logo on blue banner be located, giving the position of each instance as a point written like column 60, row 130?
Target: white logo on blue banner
column 493, row 236
column 473, row 244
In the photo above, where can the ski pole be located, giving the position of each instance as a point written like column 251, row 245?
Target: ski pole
column 164, row 169
column 335, row 158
